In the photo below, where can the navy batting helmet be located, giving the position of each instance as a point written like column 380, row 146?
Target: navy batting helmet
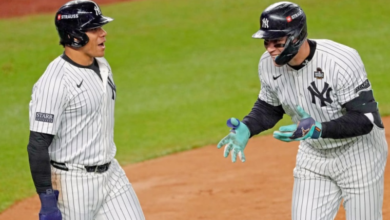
column 74, row 18
column 284, row 19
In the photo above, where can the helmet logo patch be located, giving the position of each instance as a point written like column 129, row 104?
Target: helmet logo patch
column 69, row 16
column 97, row 10
column 265, row 23
column 296, row 14
column 290, row 18
column 59, row 17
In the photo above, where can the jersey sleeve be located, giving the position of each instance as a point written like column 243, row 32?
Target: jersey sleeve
column 267, row 94
column 47, row 104
column 352, row 81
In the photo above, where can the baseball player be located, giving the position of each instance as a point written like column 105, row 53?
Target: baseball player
column 322, row 85
column 71, row 147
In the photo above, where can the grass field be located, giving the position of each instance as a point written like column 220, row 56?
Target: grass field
column 181, row 68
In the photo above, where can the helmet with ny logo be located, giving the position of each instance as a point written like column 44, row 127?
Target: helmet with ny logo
column 280, row 20
column 74, row 18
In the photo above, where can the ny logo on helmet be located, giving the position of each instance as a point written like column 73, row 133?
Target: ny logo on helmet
column 265, row 23
column 97, row 10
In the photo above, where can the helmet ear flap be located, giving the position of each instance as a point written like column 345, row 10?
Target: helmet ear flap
column 302, row 34
column 287, row 54
column 78, row 39
column 73, row 38
column 293, row 43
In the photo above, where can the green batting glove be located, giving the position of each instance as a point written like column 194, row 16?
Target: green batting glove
column 236, row 140
column 306, row 128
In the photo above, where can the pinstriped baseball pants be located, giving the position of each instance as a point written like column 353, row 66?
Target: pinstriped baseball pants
column 96, row 196
column 354, row 173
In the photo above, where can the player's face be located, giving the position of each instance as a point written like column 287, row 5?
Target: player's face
column 95, row 47
column 275, row 47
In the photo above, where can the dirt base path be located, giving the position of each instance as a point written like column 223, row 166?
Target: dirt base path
column 201, row 184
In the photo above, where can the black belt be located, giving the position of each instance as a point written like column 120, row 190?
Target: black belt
column 99, row 168
column 92, row 169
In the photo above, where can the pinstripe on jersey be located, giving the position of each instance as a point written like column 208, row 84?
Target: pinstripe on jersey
column 76, row 105
column 353, row 172
column 343, row 71
column 328, row 170
column 82, row 107
column 93, row 196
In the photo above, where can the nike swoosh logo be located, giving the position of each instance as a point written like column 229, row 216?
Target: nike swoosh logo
column 79, row 85
column 276, row 77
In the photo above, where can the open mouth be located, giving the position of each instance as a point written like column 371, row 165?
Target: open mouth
column 102, row 45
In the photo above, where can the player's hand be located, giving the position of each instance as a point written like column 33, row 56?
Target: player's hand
column 306, row 128
column 236, row 140
column 49, row 209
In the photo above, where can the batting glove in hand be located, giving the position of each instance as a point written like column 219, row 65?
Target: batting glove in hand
column 236, row 140
column 306, row 128
column 49, row 209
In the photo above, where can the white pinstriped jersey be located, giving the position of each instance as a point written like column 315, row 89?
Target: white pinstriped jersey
column 76, row 106
column 334, row 76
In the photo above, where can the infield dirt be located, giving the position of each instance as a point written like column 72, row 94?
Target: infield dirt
column 201, row 184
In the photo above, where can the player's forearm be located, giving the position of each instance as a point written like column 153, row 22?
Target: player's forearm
column 352, row 124
column 262, row 117
column 355, row 122
column 39, row 160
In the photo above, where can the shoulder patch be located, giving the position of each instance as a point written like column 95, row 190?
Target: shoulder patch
column 366, row 84
column 44, row 117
